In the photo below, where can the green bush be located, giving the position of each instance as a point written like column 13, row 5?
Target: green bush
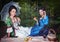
column 27, row 14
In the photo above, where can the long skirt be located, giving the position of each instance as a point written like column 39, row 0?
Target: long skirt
column 23, row 31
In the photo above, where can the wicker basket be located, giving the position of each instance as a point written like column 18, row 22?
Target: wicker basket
column 51, row 36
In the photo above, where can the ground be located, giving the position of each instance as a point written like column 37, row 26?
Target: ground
column 34, row 39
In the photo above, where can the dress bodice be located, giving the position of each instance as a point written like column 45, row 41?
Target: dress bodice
column 16, row 23
column 8, row 21
column 43, row 21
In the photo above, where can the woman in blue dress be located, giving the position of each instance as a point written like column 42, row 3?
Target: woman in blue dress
column 39, row 28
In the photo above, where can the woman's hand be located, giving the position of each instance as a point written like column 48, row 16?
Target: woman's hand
column 19, row 19
column 35, row 19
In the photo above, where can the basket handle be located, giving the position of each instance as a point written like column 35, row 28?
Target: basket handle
column 52, row 31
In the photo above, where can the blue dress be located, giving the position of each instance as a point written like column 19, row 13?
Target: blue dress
column 35, row 31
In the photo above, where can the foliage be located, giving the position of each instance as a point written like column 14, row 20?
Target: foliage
column 29, row 10
column 27, row 14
